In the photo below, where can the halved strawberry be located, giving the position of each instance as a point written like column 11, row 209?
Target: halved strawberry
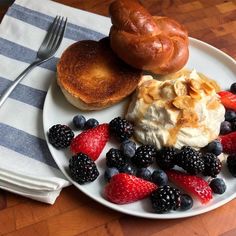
column 91, row 142
column 124, row 188
column 228, row 142
column 192, row 184
column 228, row 99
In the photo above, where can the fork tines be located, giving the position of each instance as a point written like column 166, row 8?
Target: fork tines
column 55, row 34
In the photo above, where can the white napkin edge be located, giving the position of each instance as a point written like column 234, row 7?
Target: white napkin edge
column 42, row 196
column 31, row 182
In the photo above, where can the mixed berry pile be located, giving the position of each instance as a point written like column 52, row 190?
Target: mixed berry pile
column 170, row 177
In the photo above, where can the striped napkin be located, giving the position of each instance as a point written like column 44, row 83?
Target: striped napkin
column 26, row 165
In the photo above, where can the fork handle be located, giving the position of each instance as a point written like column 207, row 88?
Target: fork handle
column 9, row 90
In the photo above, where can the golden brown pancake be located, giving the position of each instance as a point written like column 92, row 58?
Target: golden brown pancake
column 92, row 77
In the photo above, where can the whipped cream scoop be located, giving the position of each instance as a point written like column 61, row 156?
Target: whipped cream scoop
column 177, row 110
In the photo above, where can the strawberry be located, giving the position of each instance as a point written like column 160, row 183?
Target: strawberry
column 228, row 142
column 228, row 99
column 124, row 188
column 192, row 184
column 91, row 142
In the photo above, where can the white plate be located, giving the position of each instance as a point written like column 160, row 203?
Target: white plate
column 204, row 58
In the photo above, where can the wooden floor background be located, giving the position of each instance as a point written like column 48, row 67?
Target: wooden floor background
column 212, row 21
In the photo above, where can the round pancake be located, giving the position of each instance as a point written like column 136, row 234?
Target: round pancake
column 92, row 77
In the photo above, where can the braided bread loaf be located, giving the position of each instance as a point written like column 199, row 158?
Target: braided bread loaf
column 152, row 43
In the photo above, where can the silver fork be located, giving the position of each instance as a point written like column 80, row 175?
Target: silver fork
column 46, row 51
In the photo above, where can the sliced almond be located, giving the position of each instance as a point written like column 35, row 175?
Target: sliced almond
column 183, row 102
column 142, row 92
column 154, row 92
column 147, row 99
column 195, row 84
column 211, row 81
column 149, row 83
column 194, row 93
column 189, row 118
column 180, row 88
column 207, row 87
column 213, row 104
column 167, row 91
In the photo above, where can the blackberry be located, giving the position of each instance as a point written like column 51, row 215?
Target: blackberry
column 60, row 136
column 121, row 128
column 144, row 156
column 165, row 199
column 190, row 160
column 82, row 168
column 166, row 158
column 115, row 158
column 231, row 163
column 212, row 165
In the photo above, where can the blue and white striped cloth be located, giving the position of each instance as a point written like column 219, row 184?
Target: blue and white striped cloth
column 26, row 166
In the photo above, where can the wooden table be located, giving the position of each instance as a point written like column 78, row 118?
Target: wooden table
column 212, row 21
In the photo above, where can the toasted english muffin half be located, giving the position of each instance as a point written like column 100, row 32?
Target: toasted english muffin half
column 92, row 77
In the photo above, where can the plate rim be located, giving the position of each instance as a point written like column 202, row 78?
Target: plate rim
column 118, row 208
column 202, row 43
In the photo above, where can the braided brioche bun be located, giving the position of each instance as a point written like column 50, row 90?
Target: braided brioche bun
column 156, row 44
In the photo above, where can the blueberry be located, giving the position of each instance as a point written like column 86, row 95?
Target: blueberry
column 233, row 88
column 231, row 164
column 109, row 172
column 225, row 127
column 144, row 173
column 91, row 123
column 159, row 177
column 186, row 202
column 215, row 147
column 128, row 148
column 230, row 115
column 128, row 169
column 79, row 121
column 233, row 124
column 218, row 185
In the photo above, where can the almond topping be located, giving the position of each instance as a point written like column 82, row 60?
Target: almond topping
column 183, row 102
column 207, row 87
column 154, row 92
column 194, row 93
column 147, row 99
column 212, row 82
column 142, row 92
column 167, row 91
column 180, row 88
column 213, row 104
column 189, row 119
column 195, row 84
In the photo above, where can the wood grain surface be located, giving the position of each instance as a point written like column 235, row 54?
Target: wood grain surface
column 212, row 21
